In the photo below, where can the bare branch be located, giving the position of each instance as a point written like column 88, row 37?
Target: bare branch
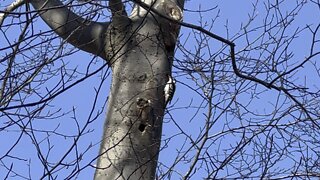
column 82, row 33
column 13, row 6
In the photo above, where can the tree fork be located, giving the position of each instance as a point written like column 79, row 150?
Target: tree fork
column 139, row 49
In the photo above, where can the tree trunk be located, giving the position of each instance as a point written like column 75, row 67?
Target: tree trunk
column 139, row 50
column 132, row 131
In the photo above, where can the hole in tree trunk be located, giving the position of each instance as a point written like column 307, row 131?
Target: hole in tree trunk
column 142, row 127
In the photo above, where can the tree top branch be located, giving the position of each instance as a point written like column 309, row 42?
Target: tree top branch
column 85, row 34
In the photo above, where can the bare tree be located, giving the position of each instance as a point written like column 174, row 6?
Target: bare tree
column 252, row 96
column 139, row 54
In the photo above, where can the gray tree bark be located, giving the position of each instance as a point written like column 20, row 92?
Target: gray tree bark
column 139, row 49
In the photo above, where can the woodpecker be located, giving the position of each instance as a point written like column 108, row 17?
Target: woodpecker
column 169, row 89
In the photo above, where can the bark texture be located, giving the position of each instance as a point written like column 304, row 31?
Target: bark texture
column 139, row 50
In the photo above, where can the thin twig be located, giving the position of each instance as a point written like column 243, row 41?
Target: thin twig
column 13, row 6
